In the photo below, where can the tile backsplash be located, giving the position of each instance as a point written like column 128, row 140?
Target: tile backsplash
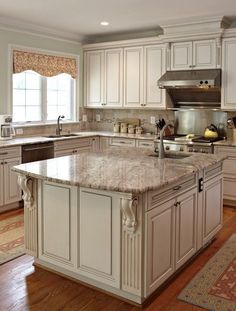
column 109, row 116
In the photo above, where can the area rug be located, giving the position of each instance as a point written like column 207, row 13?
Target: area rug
column 214, row 287
column 11, row 238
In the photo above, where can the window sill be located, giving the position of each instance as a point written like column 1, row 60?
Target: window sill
column 22, row 125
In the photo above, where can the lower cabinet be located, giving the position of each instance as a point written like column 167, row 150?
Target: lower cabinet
column 99, row 233
column 74, row 146
column 171, row 237
column 229, row 171
column 186, row 227
column 160, row 225
column 57, row 224
column 9, row 190
column 212, row 207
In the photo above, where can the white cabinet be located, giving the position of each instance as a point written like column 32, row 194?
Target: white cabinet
column 94, row 78
column 123, row 142
column 186, row 226
column 133, row 77
column 228, row 96
column 99, row 233
column 9, row 189
column 171, row 230
column 212, row 207
column 154, row 68
column 57, row 224
column 229, row 173
column 143, row 66
column 160, row 224
column 194, row 55
column 74, row 146
column 125, row 77
column 104, row 78
column 145, row 144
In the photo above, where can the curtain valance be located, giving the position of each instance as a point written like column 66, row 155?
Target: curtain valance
column 45, row 65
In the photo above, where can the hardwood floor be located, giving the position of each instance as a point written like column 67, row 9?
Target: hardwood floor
column 24, row 287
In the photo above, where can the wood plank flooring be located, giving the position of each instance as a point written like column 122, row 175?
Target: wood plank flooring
column 24, row 287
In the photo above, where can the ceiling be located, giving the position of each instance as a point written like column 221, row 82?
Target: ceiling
column 80, row 19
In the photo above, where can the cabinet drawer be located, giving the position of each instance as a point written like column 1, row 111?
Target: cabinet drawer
column 226, row 151
column 66, row 152
column 72, row 143
column 145, row 144
column 122, row 142
column 155, row 197
column 13, row 152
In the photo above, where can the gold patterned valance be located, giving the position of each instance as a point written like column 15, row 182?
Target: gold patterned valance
column 45, row 65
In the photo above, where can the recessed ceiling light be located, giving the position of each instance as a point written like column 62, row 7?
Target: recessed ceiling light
column 104, row 23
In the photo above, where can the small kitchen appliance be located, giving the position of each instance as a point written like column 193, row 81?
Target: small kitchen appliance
column 6, row 129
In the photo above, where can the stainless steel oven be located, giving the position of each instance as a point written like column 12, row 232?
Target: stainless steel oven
column 37, row 152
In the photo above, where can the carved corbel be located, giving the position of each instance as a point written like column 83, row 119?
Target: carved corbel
column 129, row 208
column 23, row 182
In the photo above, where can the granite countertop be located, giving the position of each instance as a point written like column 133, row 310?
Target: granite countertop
column 129, row 171
column 43, row 139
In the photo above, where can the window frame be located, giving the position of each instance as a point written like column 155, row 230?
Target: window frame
column 74, row 91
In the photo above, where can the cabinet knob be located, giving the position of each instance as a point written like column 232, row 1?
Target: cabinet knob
column 5, row 162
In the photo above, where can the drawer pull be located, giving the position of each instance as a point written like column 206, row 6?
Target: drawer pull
column 146, row 144
column 4, row 153
column 177, row 188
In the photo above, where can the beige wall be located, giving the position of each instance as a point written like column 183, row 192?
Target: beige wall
column 8, row 38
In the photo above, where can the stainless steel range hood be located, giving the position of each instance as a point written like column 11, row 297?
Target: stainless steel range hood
column 193, row 88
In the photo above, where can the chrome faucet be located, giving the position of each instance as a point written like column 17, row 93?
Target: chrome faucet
column 161, row 144
column 59, row 126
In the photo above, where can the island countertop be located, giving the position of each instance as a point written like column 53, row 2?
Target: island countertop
column 129, row 170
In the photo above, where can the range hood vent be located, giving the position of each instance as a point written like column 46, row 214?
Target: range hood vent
column 200, row 79
column 198, row 89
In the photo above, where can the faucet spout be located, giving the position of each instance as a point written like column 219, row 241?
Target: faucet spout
column 59, row 125
column 161, row 144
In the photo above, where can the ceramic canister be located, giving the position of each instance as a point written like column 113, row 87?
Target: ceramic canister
column 123, row 127
column 131, row 129
column 116, row 127
column 139, row 130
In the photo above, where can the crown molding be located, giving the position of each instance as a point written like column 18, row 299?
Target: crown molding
column 14, row 25
column 196, row 24
column 229, row 33
column 123, row 43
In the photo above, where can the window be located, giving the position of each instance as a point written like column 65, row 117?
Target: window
column 38, row 98
column 43, row 86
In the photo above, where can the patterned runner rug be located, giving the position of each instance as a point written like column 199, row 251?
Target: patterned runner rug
column 214, row 287
column 11, row 238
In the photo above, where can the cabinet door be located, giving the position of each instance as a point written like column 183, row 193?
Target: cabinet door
column 57, row 224
column 160, row 262
column 113, row 77
column 99, row 233
column 186, row 226
column 1, row 183
column 104, row 143
column 94, row 78
column 154, row 68
column 228, row 95
column 133, row 77
column 12, row 192
column 212, row 207
column 181, row 56
column 204, row 54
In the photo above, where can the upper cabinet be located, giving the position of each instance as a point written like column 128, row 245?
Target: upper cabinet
column 125, row 77
column 228, row 95
column 103, row 78
column 133, row 77
column 194, row 55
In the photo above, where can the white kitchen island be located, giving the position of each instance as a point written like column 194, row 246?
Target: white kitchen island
column 121, row 221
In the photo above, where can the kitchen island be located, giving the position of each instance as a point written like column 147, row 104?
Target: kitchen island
column 122, row 221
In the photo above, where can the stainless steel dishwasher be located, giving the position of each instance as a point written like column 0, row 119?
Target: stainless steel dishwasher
column 37, row 152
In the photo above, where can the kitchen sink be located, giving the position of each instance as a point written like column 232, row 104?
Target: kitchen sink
column 61, row 136
column 172, row 155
